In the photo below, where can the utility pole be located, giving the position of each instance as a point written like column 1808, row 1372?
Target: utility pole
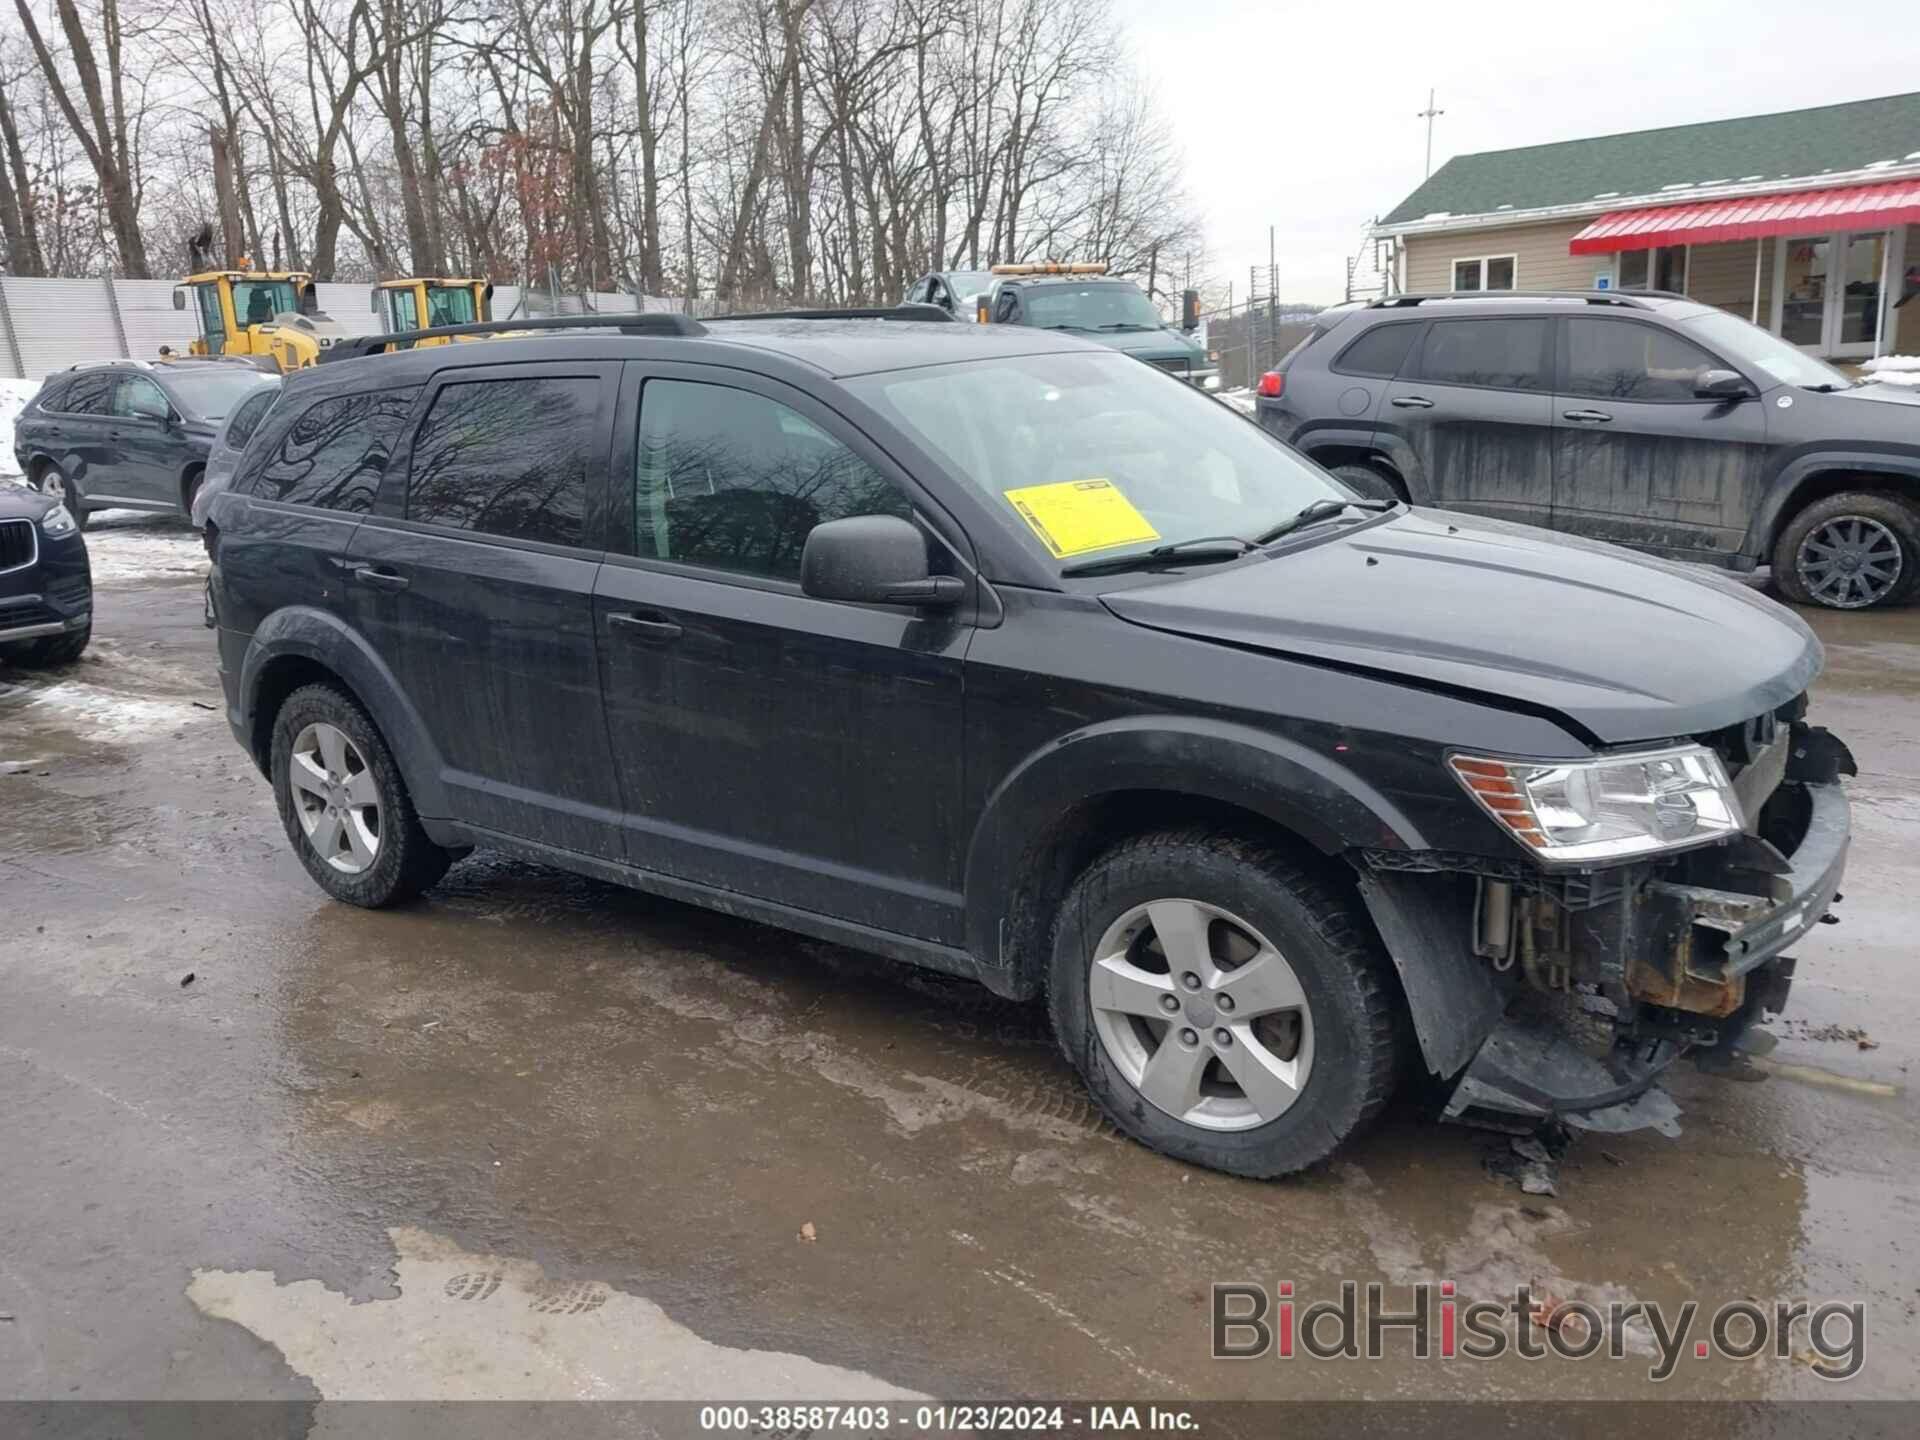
column 1427, row 115
column 1273, row 296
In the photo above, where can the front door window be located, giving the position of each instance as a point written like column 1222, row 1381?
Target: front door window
column 1828, row 291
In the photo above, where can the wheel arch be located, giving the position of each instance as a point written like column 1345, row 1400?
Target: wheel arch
column 187, row 473
column 301, row 646
column 1068, row 802
column 1816, row 477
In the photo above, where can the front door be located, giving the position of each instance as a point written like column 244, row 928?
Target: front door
column 474, row 581
column 799, row 750
column 1830, row 291
column 1638, row 458
column 144, row 443
column 1471, row 408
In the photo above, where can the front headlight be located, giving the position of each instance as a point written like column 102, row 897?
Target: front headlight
column 1613, row 808
column 58, row 523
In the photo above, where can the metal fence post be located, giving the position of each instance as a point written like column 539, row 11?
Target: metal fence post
column 13, row 340
column 119, row 322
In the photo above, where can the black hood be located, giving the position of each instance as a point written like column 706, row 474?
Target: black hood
column 1626, row 647
column 17, row 502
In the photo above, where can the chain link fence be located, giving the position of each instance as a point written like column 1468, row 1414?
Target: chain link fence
column 1250, row 338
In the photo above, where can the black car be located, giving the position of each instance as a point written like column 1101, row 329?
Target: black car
column 996, row 651
column 1644, row 419
column 128, row 434
column 46, row 588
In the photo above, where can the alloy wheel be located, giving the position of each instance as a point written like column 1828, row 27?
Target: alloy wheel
column 335, row 797
column 1850, row 562
column 1202, row 1014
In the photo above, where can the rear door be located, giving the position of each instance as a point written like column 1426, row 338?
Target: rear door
column 77, row 433
column 474, row 581
column 1472, row 408
column 1638, row 458
column 144, row 442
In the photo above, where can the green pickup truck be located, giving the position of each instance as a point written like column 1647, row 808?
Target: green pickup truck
column 1081, row 298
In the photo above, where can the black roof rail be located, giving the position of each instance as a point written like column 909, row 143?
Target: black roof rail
column 1634, row 301
column 627, row 323
column 912, row 311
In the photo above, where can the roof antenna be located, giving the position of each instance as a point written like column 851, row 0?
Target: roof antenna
column 1427, row 115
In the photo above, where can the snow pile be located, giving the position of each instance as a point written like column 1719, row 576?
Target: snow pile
column 127, row 554
column 86, row 711
column 14, row 395
column 1894, row 369
column 1240, row 399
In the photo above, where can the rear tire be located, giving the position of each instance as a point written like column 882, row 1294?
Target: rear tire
column 1316, row 1037
column 1853, row 551
column 50, row 479
column 360, row 840
column 1373, row 484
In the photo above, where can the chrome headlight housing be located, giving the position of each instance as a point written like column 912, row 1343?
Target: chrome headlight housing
column 58, row 523
column 1613, row 807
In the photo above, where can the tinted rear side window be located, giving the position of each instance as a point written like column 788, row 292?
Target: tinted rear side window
column 1504, row 354
column 508, row 457
column 335, row 451
column 247, row 418
column 86, row 395
column 1378, row 352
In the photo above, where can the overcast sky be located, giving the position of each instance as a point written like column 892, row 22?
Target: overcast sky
column 1304, row 116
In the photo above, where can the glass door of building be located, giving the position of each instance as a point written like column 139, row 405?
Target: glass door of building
column 1828, row 291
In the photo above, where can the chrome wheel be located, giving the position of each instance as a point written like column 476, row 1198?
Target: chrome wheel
column 1850, row 562
column 335, row 798
column 1202, row 1014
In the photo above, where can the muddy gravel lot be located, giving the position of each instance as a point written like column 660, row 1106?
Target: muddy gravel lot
column 541, row 1137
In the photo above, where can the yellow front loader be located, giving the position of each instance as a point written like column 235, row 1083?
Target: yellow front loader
column 271, row 317
column 419, row 302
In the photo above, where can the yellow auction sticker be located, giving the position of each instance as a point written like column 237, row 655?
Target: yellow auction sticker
column 1072, row 517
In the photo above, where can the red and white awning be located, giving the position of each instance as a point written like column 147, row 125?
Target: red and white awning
column 1800, row 212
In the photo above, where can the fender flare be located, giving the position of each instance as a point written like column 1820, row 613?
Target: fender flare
column 1301, row 790
column 1384, row 444
column 1779, row 502
column 312, row 634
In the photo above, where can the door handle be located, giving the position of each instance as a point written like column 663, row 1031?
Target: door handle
column 1413, row 402
column 1587, row 417
column 379, row 579
column 647, row 627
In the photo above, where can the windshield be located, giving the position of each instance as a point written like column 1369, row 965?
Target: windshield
column 450, row 305
column 1110, row 306
column 257, row 301
column 211, row 393
column 1034, row 433
column 1751, row 346
column 968, row 283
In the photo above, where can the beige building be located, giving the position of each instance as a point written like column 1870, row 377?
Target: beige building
column 1805, row 222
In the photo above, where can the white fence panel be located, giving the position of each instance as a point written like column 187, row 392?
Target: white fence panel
column 349, row 306
column 58, row 323
column 148, row 318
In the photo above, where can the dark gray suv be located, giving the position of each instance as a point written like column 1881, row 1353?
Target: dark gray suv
column 128, row 434
column 1644, row 419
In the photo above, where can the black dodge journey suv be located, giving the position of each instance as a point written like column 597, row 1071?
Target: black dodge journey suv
column 993, row 650
column 1646, row 419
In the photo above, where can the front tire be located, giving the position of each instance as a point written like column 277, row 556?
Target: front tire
column 1224, row 1005
column 1851, row 551
column 345, row 808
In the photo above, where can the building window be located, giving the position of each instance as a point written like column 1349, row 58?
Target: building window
column 1662, row 268
column 1487, row 272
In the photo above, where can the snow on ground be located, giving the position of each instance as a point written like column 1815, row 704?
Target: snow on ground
column 1240, row 399
column 1894, row 369
column 14, row 395
column 83, row 710
column 125, row 546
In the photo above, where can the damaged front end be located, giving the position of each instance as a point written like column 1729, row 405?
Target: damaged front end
column 1562, row 994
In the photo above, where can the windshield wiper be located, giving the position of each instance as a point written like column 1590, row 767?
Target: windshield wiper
column 1128, row 325
column 1203, row 550
column 1319, row 510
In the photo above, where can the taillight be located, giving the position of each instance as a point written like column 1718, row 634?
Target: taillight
column 1272, row 384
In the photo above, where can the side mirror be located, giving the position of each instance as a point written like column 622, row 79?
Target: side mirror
column 1722, row 385
column 179, row 297
column 1189, row 310
column 874, row 560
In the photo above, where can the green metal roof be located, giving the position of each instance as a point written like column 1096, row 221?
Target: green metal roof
column 1788, row 145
